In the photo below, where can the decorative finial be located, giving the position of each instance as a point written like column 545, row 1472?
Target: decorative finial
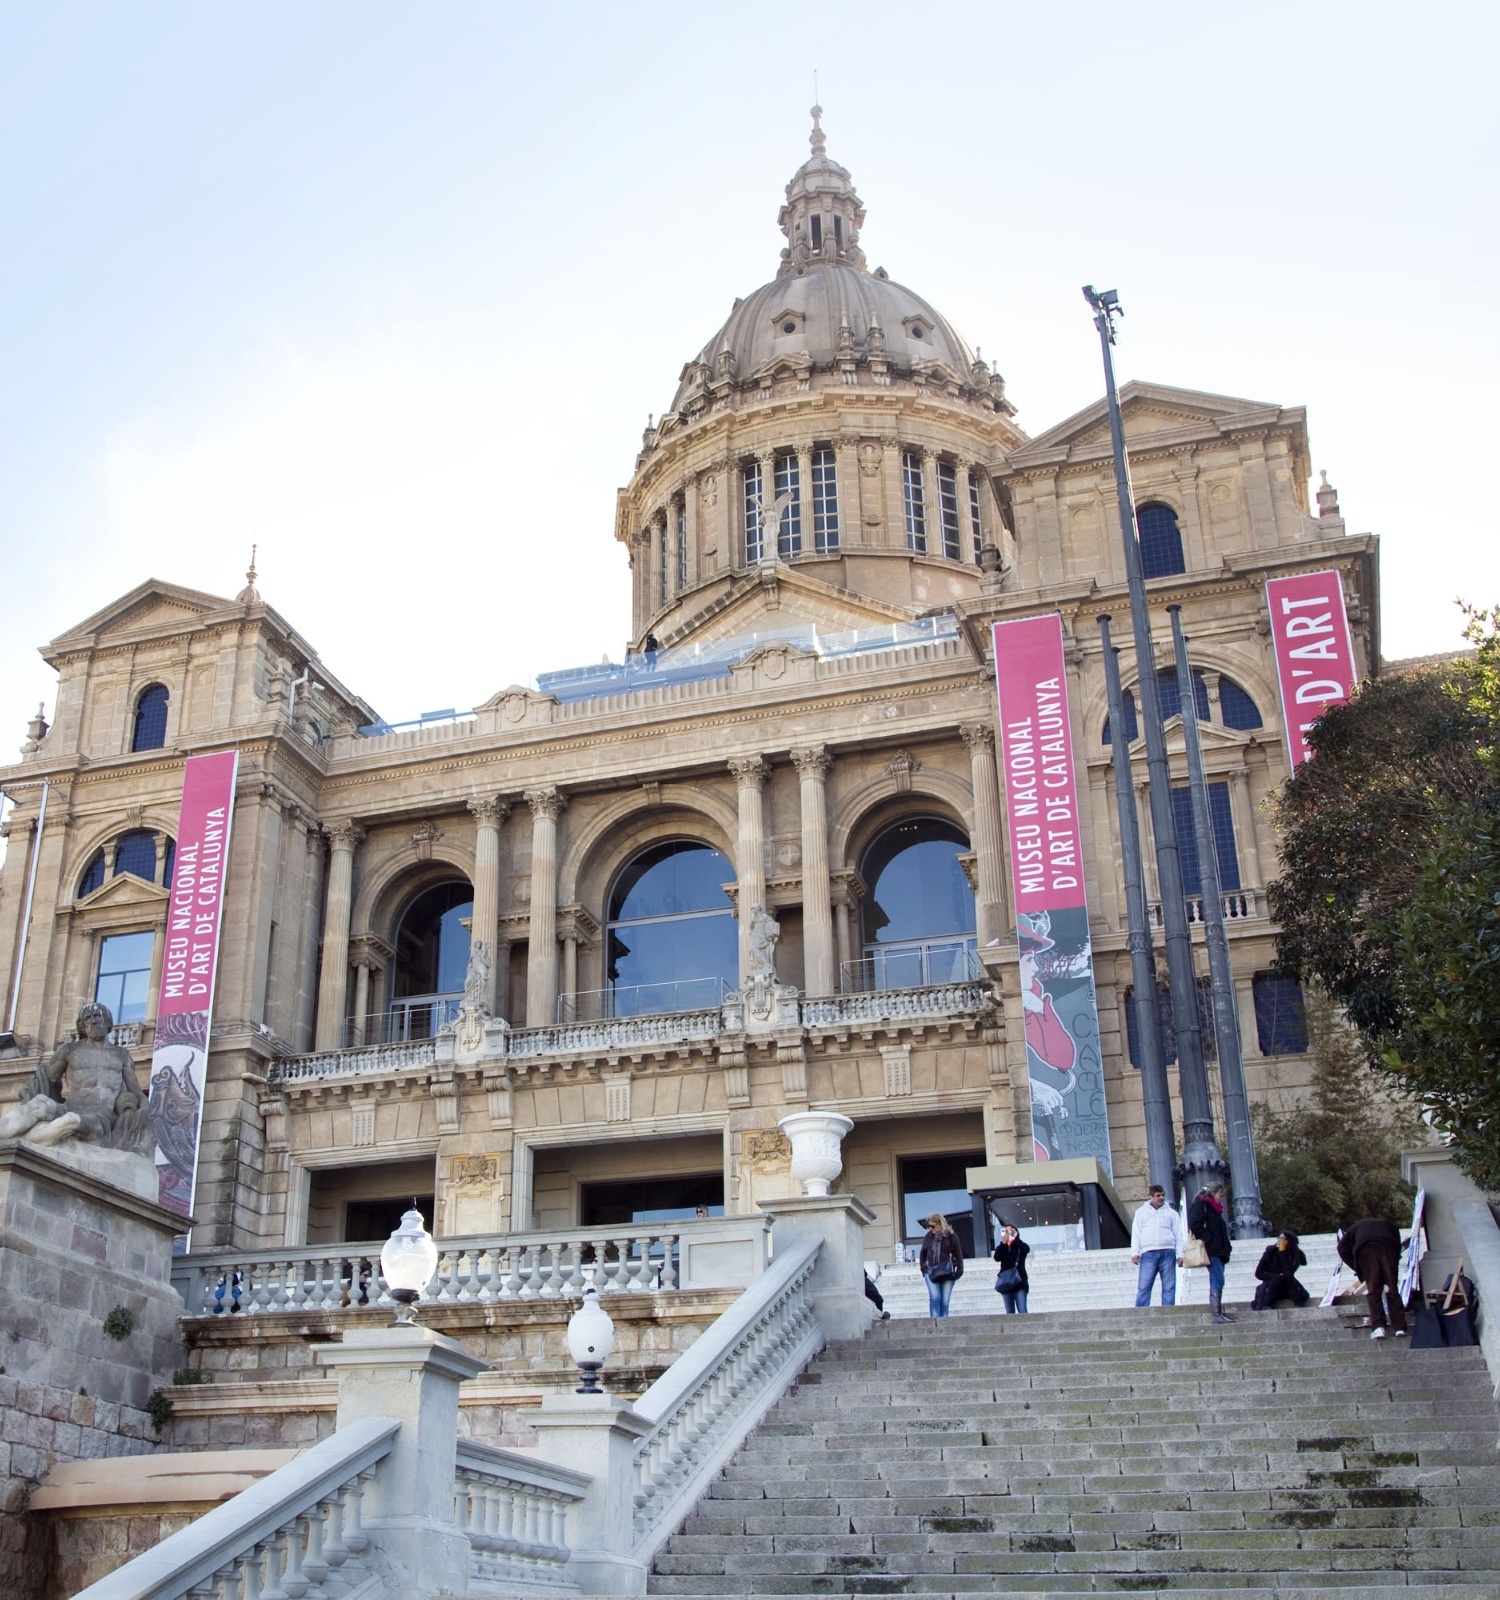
column 250, row 570
column 249, row 595
column 816, row 139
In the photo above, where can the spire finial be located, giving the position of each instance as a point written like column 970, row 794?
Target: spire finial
column 250, row 571
column 816, row 139
column 249, row 595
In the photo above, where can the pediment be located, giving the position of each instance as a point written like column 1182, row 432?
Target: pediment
column 1211, row 736
column 1146, row 409
column 124, row 891
column 152, row 607
column 775, row 598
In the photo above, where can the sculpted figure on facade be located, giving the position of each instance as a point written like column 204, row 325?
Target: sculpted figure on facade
column 86, row 1090
column 764, row 932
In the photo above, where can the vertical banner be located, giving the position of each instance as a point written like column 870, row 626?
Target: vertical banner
column 1314, row 653
column 1042, row 804
column 184, row 1007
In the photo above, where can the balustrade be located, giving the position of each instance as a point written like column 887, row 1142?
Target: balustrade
column 514, row 1515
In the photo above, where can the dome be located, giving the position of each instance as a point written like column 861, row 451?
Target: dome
column 826, row 311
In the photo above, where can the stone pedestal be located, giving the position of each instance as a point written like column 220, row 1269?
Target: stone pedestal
column 838, row 1280
column 412, row 1374
column 73, row 1249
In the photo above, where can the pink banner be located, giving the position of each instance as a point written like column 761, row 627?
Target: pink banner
column 1061, row 1021
column 184, row 1010
column 1314, row 653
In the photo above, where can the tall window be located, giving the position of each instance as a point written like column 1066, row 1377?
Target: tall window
column 916, row 501
column 150, row 731
column 1167, row 1026
column 125, row 975
column 1221, row 820
column 432, row 957
column 948, row 506
column 1280, row 1015
column 975, row 525
column 789, row 530
column 919, row 912
column 672, row 941
column 135, row 852
column 754, row 553
column 661, row 560
column 681, row 546
column 825, row 498
column 1161, row 540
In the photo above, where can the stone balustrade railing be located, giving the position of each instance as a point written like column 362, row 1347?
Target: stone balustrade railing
column 705, row 1403
column 299, row 1531
column 615, row 1033
column 894, row 1005
column 513, row 1511
column 380, row 1060
column 479, row 1271
column 1240, row 905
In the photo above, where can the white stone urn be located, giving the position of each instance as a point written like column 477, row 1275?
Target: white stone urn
column 816, row 1137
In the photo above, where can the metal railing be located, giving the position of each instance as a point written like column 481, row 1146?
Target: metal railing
column 410, row 1018
column 642, row 1000
column 911, row 966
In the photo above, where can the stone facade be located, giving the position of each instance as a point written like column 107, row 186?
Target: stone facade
column 844, row 686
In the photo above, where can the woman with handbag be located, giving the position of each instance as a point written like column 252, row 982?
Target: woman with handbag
column 1206, row 1222
column 942, row 1263
column 1011, row 1282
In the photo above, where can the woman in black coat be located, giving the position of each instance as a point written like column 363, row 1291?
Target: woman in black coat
column 1206, row 1222
column 1277, row 1271
column 1011, row 1253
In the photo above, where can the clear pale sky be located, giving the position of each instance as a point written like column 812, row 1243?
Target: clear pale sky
column 390, row 289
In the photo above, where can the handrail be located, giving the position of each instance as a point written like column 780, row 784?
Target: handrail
column 705, row 1403
column 299, row 1524
column 513, row 1511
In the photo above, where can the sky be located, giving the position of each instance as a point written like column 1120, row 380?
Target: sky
column 388, row 291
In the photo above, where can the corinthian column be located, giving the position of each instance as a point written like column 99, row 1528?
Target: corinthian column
column 817, row 901
column 980, row 738
column 541, row 963
column 333, row 985
column 750, row 773
column 488, row 813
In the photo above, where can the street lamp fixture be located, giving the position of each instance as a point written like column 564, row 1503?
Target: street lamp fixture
column 408, row 1263
column 591, row 1336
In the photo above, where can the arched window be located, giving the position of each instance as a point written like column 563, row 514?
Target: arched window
column 135, row 852
column 150, row 719
column 1161, row 540
column 432, row 956
column 918, row 908
column 1236, row 708
column 672, row 938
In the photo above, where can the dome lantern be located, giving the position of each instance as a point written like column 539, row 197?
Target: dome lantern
column 822, row 215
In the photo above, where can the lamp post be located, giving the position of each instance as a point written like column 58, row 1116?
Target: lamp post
column 591, row 1336
column 407, row 1263
column 1201, row 1162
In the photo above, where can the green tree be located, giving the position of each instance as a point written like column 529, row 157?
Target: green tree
column 1391, row 872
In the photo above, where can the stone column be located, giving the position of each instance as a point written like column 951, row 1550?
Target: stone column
column 333, row 984
column 771, row 541
column 891, row 473
column 488, row 814
column 362, row 968
column 932, row 503
column 750, row 773
column 1243, row 812
column 817, row 905
column 966, row 509
column 988, row 848
column 805, row 497
column 692, row 519
column 541, row 966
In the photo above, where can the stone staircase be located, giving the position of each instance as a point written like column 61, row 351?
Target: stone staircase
column 1112, row 1451
column 1077, row 1280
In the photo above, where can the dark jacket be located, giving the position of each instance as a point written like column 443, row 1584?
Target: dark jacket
column 1014, row 1255
column 1279, row 1266
column 1369, row 1233
column 1207, row 1223
column 941, row 1247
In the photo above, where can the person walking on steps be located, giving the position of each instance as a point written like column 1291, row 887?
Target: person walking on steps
column 1372, row 1246
column 1157, row 1240
column 1277, row 1272
column 1011, row 1282
column 1206, row 1222
column 942, row 1263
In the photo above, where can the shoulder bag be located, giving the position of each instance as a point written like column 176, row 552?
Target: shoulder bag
column 1196, row 1253
column 1008, row 1281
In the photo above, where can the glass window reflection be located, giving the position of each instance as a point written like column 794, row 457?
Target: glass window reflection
column 673, row 942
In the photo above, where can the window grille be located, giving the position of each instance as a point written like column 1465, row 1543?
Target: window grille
column 825, row 496
column 1221, row 820
column 753, row 550
column 789, row 531
column 916, row 501
column 1161, row 540
column 1280, row 1015
column 1237, row 708
column 1166, row 1020
column 948, row 507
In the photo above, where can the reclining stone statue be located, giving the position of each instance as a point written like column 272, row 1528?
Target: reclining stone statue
column 87, row 1090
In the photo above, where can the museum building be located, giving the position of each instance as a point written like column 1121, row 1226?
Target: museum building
column 759, row 867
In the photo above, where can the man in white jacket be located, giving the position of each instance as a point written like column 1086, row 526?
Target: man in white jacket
column 1157, row 1240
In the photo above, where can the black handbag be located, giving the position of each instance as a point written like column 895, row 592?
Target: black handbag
column 1008, row 1281
column 941, row 1271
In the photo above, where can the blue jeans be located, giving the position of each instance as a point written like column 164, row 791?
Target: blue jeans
column 938, row 1296
column 1015, row 1301
column 1215, row 1275
column 1152, row 1263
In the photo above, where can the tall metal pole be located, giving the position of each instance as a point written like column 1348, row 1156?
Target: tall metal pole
column 1156, row 1103
column 1244, row 1180
column 1201, row 1162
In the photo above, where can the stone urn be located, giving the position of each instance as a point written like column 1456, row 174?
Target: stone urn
column 816, row 1137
